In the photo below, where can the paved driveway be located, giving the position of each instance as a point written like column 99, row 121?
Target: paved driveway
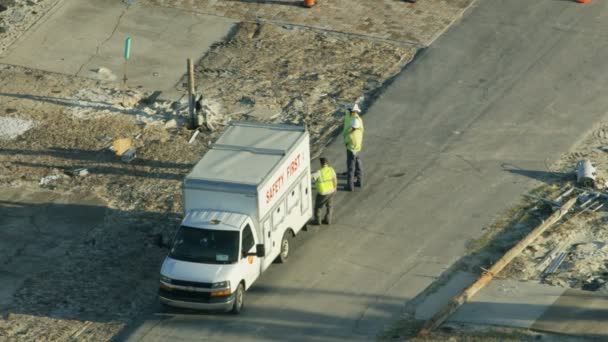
column 162, row 40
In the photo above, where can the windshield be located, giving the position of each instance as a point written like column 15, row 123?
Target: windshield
column 205, row 246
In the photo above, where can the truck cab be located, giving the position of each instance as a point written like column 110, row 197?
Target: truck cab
column 220, row 256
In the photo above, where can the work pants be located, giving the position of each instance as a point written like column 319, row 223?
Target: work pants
column 355, row 169
column 324, row 201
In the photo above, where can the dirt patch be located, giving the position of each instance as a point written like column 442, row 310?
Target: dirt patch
column 101, row 273
column 397, row 21
column 276, row 73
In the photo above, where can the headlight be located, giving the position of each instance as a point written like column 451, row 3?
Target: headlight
column 165, row 279
column 221, row 285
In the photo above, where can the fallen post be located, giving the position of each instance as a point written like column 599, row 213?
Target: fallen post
column 486, row 277
column 193, row 136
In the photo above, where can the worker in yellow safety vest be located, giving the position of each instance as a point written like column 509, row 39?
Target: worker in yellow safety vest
column 354, row 143
column 352, row 113
column 326, row 182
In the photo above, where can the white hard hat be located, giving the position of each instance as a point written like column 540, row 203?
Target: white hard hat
column 356, row 123
column 355, row 108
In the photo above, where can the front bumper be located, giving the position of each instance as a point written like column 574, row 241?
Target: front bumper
column 195, row 300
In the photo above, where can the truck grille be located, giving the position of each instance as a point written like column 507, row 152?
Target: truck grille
column 191, row 283
column 187, row 296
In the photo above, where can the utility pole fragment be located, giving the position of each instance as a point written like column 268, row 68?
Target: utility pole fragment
column 191, row 93
column 486, row 277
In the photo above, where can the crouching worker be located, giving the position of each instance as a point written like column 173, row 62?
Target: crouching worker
column 327, row 183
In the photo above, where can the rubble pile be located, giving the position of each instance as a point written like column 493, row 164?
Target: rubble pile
column 574, row 254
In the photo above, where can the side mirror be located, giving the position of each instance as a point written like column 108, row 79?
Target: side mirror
column 260, row 251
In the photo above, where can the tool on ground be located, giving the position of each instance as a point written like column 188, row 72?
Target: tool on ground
column 120, row 146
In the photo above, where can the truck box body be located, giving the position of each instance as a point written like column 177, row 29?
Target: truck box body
column 258, row 173
column 249, row 169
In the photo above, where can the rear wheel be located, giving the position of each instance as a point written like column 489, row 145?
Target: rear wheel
column 239, row 300
column 285, row 246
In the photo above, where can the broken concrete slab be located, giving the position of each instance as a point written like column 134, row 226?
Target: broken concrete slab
column 162, row 39
column 537, row 306
column 508, row 303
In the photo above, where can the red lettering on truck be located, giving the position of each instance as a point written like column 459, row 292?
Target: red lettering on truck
column 274, row 189
column 276, row 186
column 293, row 167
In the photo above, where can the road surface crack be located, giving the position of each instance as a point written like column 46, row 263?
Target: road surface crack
column 105, row 41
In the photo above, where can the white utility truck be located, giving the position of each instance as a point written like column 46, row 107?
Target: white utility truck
column 243, row 202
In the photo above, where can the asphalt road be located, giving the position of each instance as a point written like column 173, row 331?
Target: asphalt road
column 451, row 143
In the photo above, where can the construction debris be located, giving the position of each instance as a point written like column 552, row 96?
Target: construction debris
column 193, row 137
column 498, row 266
column 79, row 172
column 128, row 156
column 10, row 128
column 48, row 179
column 120, row 146
column 585, row 173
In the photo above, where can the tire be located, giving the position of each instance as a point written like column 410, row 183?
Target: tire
column 239, row 300
column 285, row 247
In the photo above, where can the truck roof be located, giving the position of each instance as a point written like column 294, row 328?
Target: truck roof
column 245, row 154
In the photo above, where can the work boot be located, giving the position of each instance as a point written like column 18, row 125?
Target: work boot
column 315, row 222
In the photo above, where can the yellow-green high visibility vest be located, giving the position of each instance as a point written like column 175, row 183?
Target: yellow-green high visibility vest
column 325, row 182
column 347, row 120
column 355, row 140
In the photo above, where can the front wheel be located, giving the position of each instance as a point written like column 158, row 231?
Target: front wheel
column 285, row 246
column 239, row 300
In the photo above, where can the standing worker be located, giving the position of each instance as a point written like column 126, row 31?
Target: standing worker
column 327, row 183
column 353, row 139
column 353, row 113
